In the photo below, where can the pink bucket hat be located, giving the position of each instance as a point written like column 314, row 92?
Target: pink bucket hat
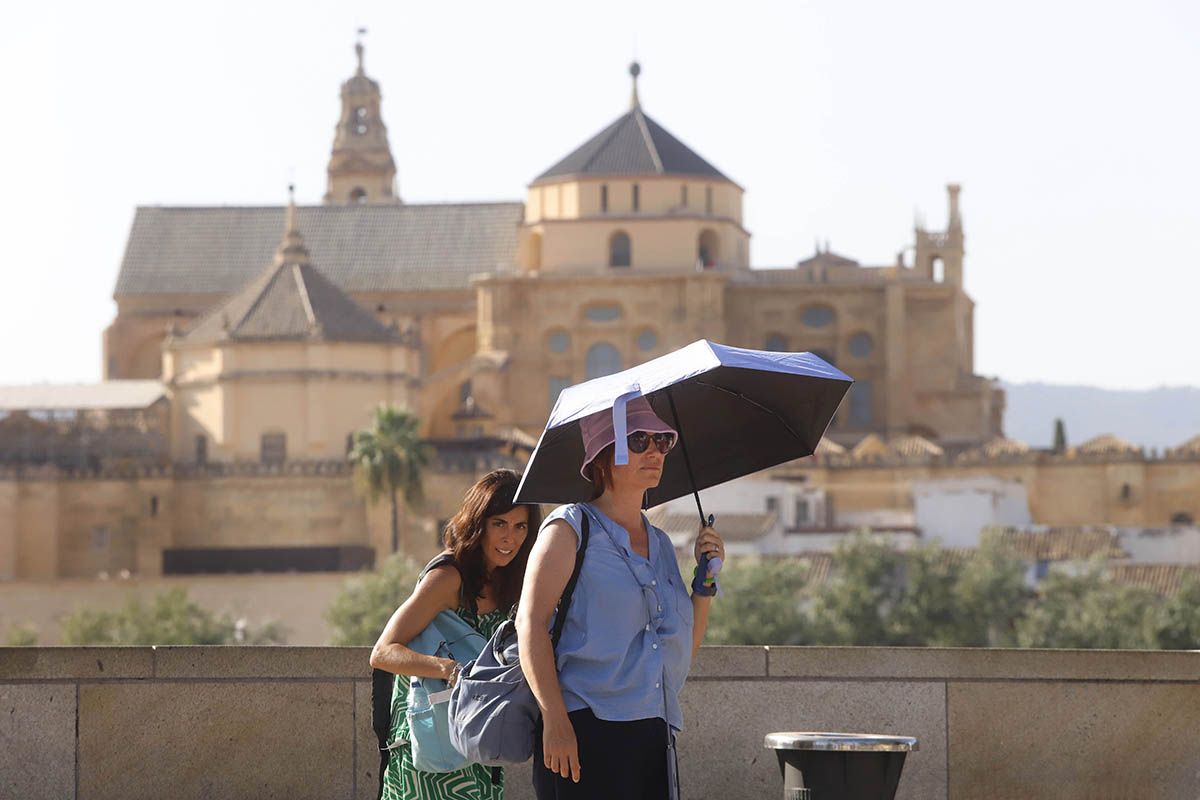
column 601, row 429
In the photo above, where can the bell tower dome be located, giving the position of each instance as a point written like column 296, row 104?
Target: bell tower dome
column 361, row 169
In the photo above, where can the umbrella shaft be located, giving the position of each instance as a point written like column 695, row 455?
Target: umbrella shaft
column 686, row 461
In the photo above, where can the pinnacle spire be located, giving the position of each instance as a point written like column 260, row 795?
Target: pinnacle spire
column 358, row 49
column 291, row 247
column 635, row 69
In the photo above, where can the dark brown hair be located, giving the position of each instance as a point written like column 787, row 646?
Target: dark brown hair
column 600, row 471
column 491, row 496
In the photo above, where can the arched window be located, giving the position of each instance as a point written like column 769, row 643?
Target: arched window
column 861, row 403
column 358, row 195
column 620, row 250
column 558, row 342
column 708, row 204
column 647, row 340
column 706, row 251
column 273, row 448
column 776, row 343
column 604, row 198
column 602, row 359
column 938, row 270
column 637, row 198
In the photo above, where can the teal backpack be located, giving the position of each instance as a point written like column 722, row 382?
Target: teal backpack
column 448, row 636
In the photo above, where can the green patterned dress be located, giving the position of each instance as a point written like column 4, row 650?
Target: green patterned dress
column 403, row 781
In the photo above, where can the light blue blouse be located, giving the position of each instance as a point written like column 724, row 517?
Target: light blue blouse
column 628, row 632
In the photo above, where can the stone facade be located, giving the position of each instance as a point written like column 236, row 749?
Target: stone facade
column 991, row 724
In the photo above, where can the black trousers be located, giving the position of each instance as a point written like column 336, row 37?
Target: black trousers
column 617, row 761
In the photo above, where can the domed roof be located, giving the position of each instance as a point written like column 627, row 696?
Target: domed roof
column 633, row 145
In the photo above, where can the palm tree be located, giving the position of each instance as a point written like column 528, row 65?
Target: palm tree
column 388, row 459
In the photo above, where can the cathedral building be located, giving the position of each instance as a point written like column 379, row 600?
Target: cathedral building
column 475, row 315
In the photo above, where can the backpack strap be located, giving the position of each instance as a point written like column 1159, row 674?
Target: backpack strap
column 381, row 718
column 564, row 605
column 441, row 560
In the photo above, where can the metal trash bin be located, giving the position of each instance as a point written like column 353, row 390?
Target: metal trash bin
column 840, row 766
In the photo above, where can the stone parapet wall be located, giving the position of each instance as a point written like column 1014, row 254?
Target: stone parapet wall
column 200, row 722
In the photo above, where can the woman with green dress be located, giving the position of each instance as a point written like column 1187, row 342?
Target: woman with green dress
column 478, row 576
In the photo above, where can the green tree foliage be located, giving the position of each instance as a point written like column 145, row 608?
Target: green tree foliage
column 926, row 611
column 389, row 459
column 366, row 601
column 1179, row 621
column 1086, row 610
column 171, row 618
column 856, row 606
column 990, row 596
column 761, row 602
column 21, row 636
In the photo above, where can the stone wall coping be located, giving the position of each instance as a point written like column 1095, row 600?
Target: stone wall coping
column 92, row 664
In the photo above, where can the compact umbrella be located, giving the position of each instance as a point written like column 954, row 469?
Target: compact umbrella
column 737, row 411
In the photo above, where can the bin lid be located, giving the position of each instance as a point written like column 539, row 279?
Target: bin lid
column 860, row 742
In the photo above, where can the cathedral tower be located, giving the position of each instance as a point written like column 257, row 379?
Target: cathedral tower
column 361, row 169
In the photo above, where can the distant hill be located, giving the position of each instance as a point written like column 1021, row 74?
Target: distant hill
column 1156, row 418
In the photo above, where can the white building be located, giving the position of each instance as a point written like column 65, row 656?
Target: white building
column 956, row 510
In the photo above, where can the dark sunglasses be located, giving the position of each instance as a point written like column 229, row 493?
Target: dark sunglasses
column 640, row 440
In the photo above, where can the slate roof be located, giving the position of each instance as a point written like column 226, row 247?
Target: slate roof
column 633, row 145
column 292, row 302
column 360, row 248
column 1066, row 543
column 107, row 395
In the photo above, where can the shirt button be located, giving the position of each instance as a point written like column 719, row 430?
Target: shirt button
column 654, row 583
column 660, row 608
column 654, row 646
column 656, row 686
column 647, row 626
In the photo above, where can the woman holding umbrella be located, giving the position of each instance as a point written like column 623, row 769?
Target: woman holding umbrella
column 609, row 696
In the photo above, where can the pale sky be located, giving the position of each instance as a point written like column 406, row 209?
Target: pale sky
column 1072, row 126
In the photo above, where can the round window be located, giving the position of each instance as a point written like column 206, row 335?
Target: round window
column 559, row 342
column 647, row 340
column 817, row 316
column 861, row 345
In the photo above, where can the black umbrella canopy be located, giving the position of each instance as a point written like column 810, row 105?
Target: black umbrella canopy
column 747, row 411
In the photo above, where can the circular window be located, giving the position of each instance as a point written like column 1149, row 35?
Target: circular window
column 861, row 345
column 647, row 340
column 361, row 129
column 605, row 312
column 361, row 112
column 817, row 316
column 558, row 342
column 776, row 343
